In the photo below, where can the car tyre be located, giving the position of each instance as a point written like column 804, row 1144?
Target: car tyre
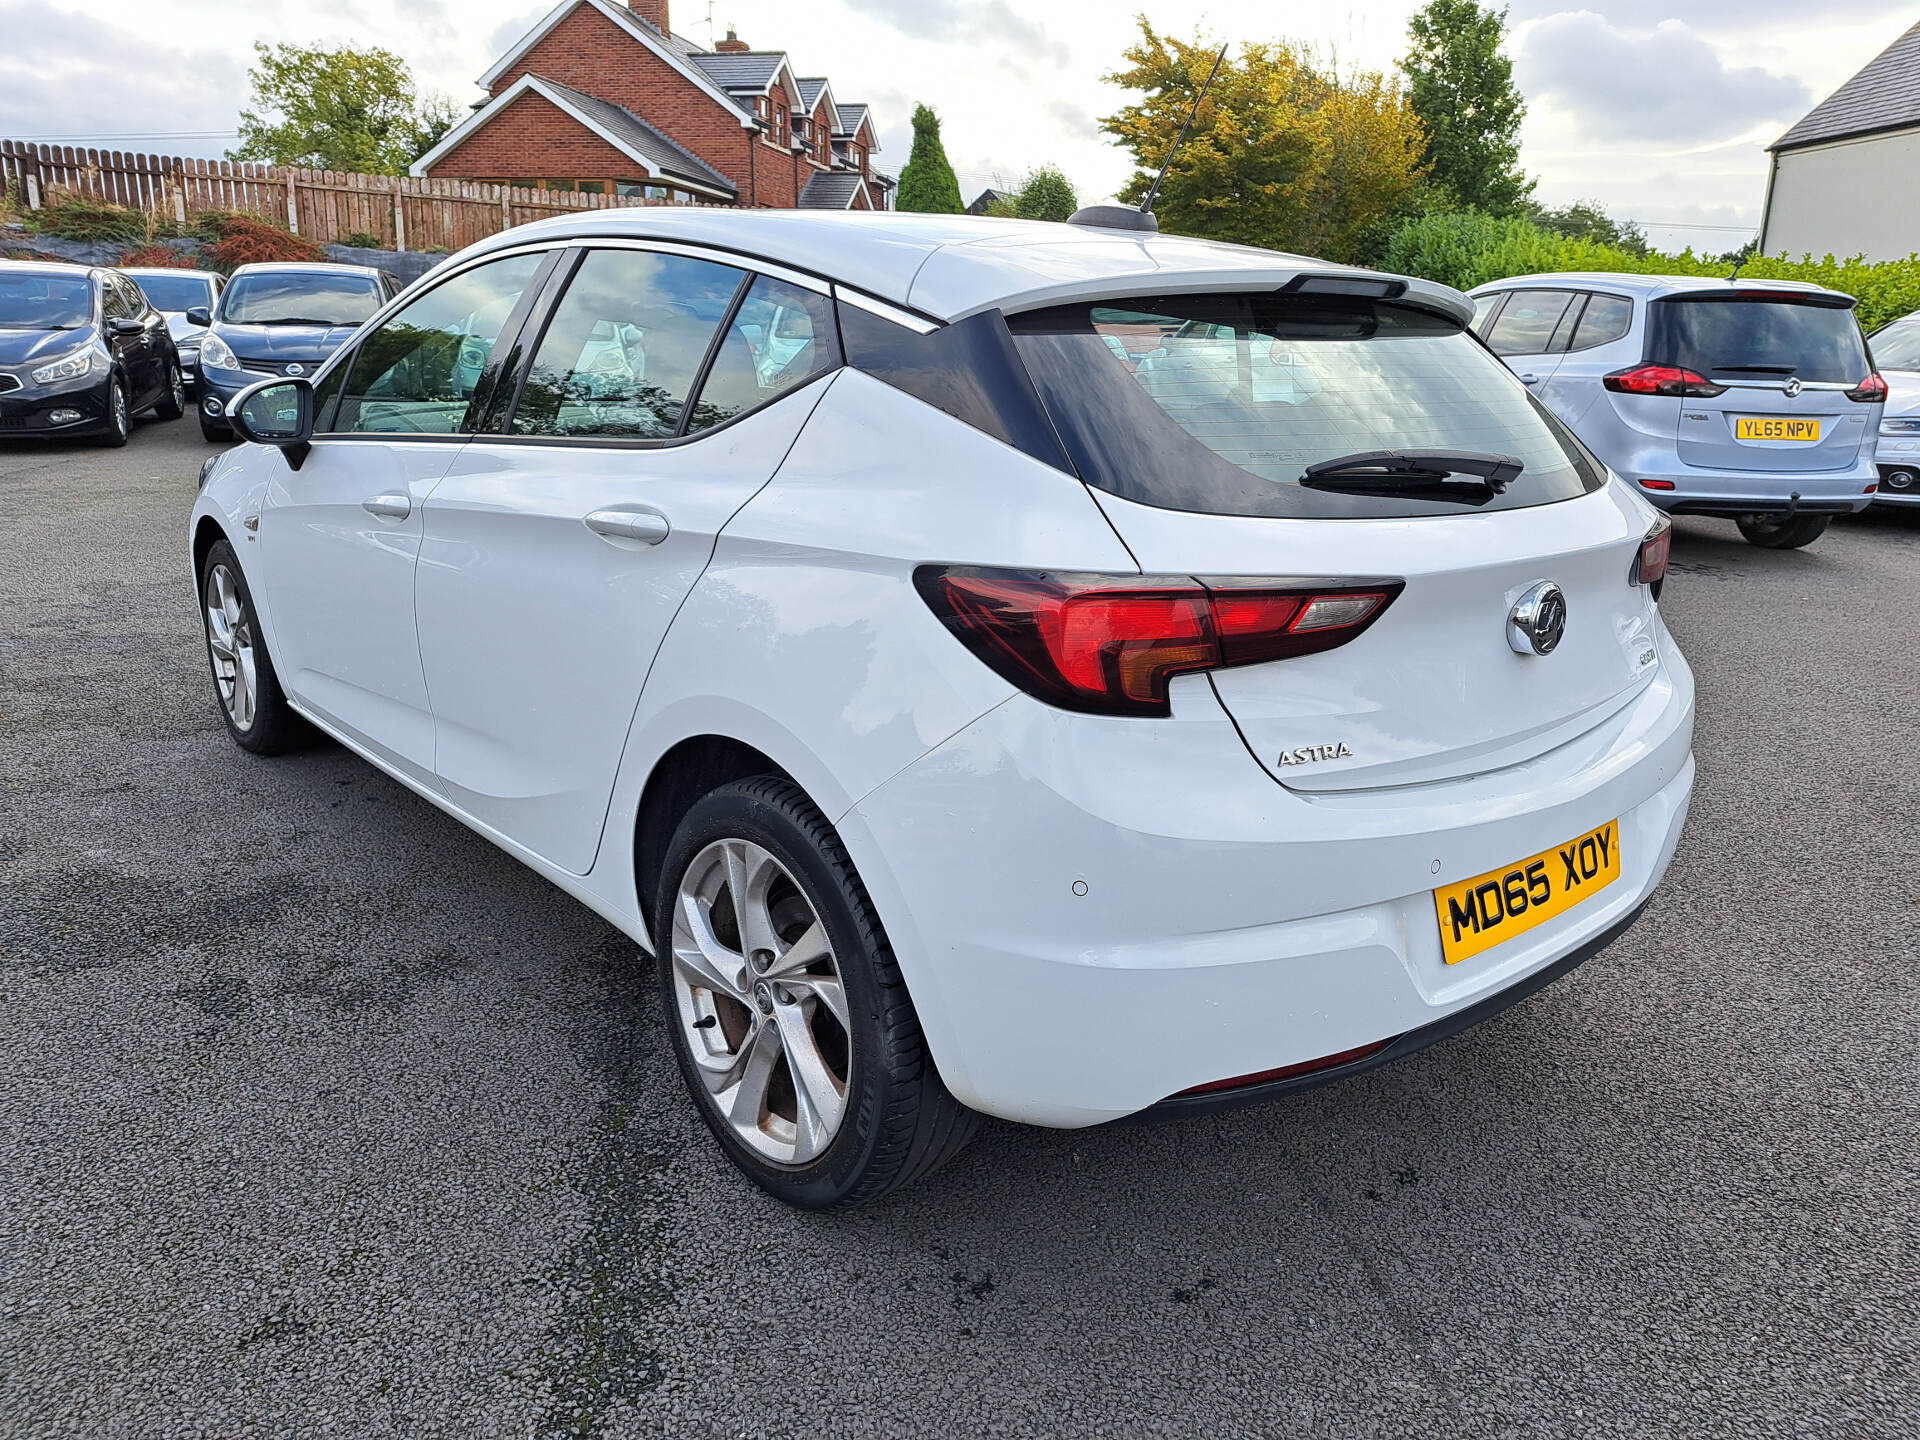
column 1782, row 532
column 795, row 995
column 244, row 682
column 119, row 417
column 173, row 404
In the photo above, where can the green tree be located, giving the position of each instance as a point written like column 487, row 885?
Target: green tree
column 1282, row 153
column 1588, row 220
column 342, row 109
column 927, row 184
column 1046, row 194
column 1460, row 82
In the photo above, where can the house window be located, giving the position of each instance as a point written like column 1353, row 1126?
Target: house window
column 556, row 184
column 593, row 187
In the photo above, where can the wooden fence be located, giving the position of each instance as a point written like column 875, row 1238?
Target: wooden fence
column 325, row 206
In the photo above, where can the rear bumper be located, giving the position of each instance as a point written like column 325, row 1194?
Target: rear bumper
column 1715, row 492
column 1096, row 915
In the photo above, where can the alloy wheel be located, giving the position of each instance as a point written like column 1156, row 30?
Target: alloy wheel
column 122, row 420
column 230, row 643
column 759, row 997
column 176, row 388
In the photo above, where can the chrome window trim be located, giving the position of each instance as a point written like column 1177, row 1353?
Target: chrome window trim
column 919, row 324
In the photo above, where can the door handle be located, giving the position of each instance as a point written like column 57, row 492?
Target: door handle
column 649, row 527
column 1529, row 379
column 388, row 507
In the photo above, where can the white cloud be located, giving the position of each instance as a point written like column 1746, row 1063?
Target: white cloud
column 1667, row 85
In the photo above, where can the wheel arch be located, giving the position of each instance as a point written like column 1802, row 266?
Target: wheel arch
column 688, row 770
column 207, row 532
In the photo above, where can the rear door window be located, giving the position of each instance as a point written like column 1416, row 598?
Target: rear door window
column 1218, row 404
column 781, row 336
column 1607, row 318
column 625, row 345
column 1737, row 334
column 1527, row 323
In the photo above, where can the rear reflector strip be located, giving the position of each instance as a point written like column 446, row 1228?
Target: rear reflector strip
column 1656, row 484
column 1287, row 1072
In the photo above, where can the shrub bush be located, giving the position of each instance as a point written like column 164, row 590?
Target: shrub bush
column 75, row 217
column 241, row 239
column 361, row 240
column 157, row 257
column 1465, row 250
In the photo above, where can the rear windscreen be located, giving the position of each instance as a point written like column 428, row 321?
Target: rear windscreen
column 1726, row 336
column 1219, row 403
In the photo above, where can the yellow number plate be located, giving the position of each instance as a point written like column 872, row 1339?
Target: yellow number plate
column 1772, row 427
column 1478, row 914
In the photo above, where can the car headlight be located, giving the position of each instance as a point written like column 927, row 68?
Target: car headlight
column 70, row 367
column 216, row 354
column 1887, row 427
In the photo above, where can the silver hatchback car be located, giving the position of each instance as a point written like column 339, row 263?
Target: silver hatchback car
column 1751, row 399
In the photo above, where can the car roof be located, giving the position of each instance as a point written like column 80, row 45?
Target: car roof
column 952, row 266
column 50, row 267
column 169, row 270
column 1649, row 285
column 303, row 267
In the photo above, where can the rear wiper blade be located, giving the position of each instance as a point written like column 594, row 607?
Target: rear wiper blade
column 1373, row 467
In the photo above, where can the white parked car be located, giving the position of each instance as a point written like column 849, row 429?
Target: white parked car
column 1091, row 673
column 1896, row 350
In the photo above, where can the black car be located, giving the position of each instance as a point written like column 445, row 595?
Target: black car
column 81, row 353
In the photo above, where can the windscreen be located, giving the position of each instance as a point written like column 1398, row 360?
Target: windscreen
column 39, row 301
column 1220, row 403
column 299, row 298
column 177, row 293
column 1897, row 346
column 1731, row 335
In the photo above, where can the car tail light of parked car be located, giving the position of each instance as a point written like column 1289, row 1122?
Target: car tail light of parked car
column 1662, row 380
column 1650, row 565
column 1111, row 645
column 1870, row 390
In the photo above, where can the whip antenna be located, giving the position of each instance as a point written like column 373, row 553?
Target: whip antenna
column 1126, row 217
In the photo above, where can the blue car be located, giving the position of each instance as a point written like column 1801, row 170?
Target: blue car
column 279, row 320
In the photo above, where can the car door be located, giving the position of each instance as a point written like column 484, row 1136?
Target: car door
column 339, row 536
column 1531, row 330
column 129, row 350
column 152, row 345
column 1597, row 342
column 558, row 549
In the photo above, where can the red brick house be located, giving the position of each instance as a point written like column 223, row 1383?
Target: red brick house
column 605, row 97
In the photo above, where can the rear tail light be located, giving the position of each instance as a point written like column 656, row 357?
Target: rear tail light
column 1662, row 380
column 1870, row 390
column 1650, row 564
column 1110, row 645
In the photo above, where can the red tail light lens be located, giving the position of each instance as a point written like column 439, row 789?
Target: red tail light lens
column 1650, row 565
column 1869, row 390
column 1662, row 380
column 1110, row 645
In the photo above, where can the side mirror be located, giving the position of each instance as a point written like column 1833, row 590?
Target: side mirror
column 123, row 326
column 201, row 316
column 276, row 412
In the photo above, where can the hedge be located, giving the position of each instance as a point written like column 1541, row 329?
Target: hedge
column 1465, row 250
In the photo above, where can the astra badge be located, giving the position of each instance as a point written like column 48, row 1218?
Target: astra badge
column 296, row 369
column 1538, row 619
column 1307, row 754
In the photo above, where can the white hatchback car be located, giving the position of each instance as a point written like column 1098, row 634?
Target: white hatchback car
column 1034, row 669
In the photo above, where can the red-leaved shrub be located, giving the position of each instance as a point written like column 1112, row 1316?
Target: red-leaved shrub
column 156, row 257
column 245, row 240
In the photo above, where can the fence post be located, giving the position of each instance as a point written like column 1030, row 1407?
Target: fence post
column 178, row 181
column 293, row 204
column 399, row 217
column 33, row 190
column 506, row 206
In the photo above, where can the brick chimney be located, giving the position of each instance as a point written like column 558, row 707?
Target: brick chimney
column 654, row 12
column 733, row 44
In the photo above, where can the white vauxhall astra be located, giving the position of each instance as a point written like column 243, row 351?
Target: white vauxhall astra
column 1044, row 670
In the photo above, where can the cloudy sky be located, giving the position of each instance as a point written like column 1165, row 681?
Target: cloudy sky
column 1662, row 120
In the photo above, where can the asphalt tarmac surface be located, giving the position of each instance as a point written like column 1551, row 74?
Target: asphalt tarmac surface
column 320, row 1116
